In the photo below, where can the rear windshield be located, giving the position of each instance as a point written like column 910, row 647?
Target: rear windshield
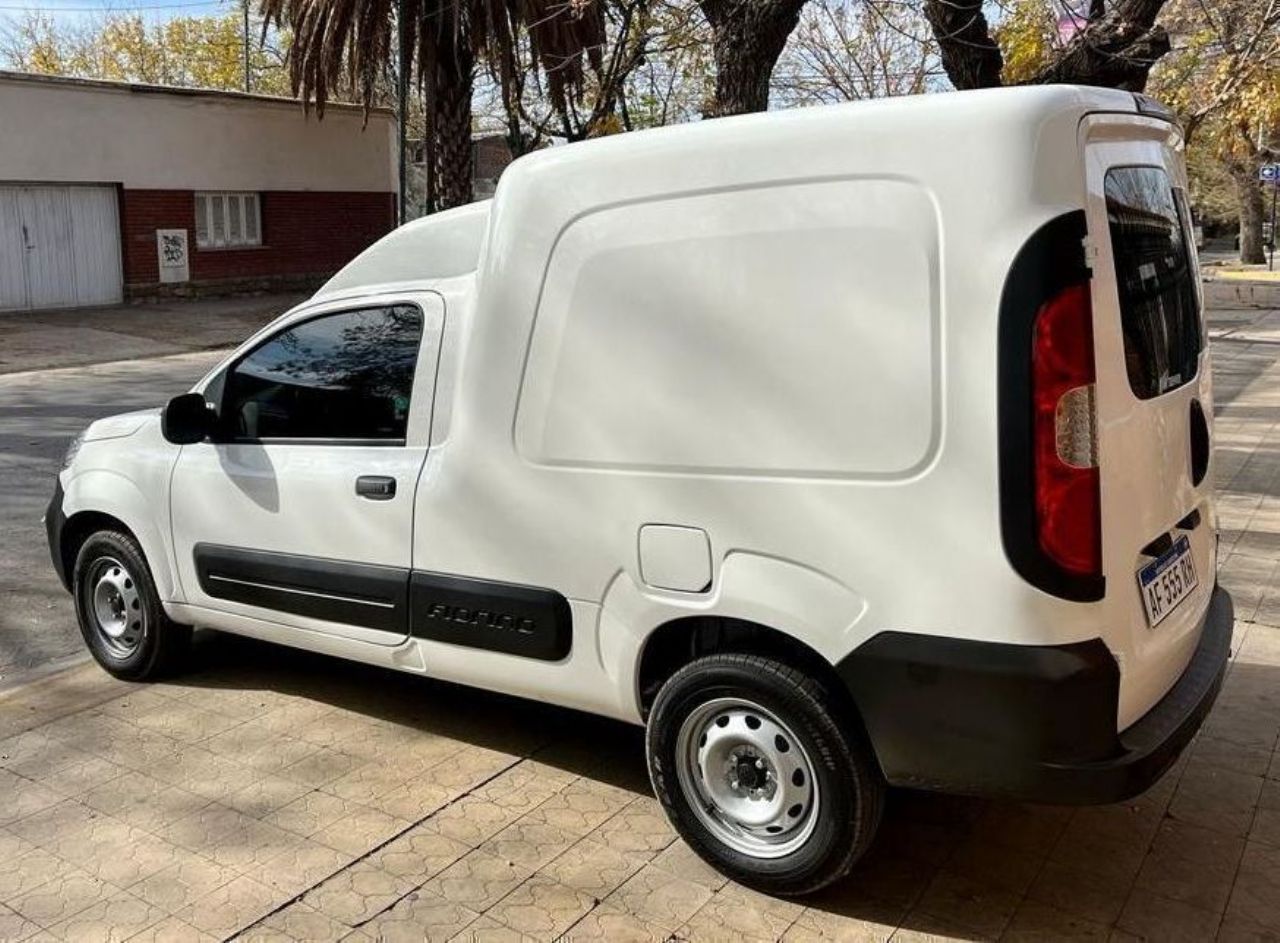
column 1159, row 304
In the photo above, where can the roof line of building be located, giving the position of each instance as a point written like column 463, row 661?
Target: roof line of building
column 142, row 88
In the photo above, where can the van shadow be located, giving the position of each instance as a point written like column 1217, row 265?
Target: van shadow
column 951, row 866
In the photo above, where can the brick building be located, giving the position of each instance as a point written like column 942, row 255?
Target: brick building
column 111, row 191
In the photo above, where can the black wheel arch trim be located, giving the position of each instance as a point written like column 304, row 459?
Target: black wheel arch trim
column 55, row 523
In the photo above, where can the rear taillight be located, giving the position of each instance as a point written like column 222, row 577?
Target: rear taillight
column 1065, row 436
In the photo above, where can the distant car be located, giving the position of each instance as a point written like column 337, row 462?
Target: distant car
column 835, row 461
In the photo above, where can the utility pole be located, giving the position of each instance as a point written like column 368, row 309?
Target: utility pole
column 402, row 94
column 244, row 6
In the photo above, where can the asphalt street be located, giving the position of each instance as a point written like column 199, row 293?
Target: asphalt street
column 40, row 412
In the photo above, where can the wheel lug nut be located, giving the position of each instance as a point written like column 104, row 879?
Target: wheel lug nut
column 759, row 764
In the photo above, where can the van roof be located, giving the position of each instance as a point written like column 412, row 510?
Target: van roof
column 450, row 244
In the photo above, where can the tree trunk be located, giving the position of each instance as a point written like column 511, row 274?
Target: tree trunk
column 450, row 128
column 747, row 38
column 970, row 56
column 1251, row 212
column 1117, row 47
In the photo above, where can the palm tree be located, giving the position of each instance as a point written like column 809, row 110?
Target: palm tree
column 351, row 45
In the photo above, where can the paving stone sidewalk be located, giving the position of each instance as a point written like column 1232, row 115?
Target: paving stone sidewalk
column 275, row 795
column 41, row 340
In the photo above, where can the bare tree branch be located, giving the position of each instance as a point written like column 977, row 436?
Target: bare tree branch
column 969, row 53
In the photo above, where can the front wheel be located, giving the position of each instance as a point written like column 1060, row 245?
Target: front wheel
column 121, row 618
column 759, row 776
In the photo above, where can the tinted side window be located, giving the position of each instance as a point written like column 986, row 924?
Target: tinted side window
column 1159, row 304
column 341, row 376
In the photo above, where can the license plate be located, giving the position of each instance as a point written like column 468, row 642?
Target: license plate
column 1167, row 580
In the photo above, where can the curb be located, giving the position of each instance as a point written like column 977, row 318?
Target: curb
column 1241, row 294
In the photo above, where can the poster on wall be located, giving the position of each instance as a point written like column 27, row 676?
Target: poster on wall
column 171, row 245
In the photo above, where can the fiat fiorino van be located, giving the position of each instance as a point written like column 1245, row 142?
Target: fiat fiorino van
column 844, row 448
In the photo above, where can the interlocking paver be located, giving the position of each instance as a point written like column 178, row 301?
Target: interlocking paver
column 24, row 797
column 1080, row 891
column 357, row 894
column 867, row 922
column 300, row 867
column 298, row 922
column 1034, row 923
column 114, row 920
column 968, row 901
column 187, row 878
column 1255, row 895
column 1152, row 917
column 14, row 926
column 421, row 916
column 144, row 802
column 611, row 925
column 478, row 880
column 360, row 830
column 225, row 910
column 660, row 898
column 419, row 854
column 488, row 930
column 321, row 766
column 1192, row 864
column 27, row 871
column 65, row 895
column 592, row 867
column 542, row 907
column 737, row 913
column 640, row 829
column 265, row 794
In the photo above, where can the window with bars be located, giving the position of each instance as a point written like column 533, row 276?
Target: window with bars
column 224, row 220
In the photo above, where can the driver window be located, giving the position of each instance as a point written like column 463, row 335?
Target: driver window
column 339, row 376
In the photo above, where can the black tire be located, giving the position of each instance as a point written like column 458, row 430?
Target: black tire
column 156, row 645
column 849, row 785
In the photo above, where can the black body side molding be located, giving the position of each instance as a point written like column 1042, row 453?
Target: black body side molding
column 502, row 617
column 1052, row 259
column 360, row 594
column 498, row 617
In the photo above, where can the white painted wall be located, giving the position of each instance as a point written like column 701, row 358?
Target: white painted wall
column 66, row 130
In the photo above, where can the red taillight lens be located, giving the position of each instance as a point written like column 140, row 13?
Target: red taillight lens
column 1068, row 497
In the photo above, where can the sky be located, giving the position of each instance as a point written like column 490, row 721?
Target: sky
column 157, row 10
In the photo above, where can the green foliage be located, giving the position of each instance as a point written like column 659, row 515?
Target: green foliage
column 1026, row 36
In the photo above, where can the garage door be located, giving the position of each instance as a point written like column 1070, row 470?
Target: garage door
column 59, row 247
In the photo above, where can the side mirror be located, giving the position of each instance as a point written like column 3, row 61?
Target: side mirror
column 187, row 419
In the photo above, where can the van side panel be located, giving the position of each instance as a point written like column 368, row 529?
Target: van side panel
column 744, row 332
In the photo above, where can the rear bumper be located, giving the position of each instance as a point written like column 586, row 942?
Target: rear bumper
column 54, row 523
column 1027, row 722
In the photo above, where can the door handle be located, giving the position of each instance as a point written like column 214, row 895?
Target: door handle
column 376, row 487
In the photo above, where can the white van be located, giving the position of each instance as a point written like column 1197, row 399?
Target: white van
column 842, row 447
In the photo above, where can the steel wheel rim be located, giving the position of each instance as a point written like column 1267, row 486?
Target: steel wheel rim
column 748, row 779
column 114, row 606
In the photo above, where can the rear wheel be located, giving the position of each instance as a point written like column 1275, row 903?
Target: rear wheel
column 760, row 776
column 119, row 610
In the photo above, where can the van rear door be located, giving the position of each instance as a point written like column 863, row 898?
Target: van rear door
column 1153, row 403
